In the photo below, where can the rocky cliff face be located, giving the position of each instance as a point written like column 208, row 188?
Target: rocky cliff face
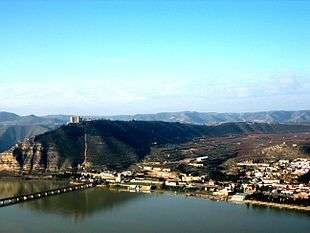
column 33, row 157
column 114, row 145
column 8, row 162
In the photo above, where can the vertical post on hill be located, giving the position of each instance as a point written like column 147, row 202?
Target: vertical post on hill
column 84, row 163
column 85, row 149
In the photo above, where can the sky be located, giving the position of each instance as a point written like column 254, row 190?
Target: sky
column 126, row 57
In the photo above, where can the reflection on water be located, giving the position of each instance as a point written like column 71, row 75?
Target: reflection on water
column 81, row 204
column 264, row 209
column 13, row 187
column 96, row 210
column 77, row 204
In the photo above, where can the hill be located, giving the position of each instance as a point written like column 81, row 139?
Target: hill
column 281, row 117
column 32, row 125
column 7, row 118
column 14, row 128
column 200, row 118
column 115, row 145
column 10, row 135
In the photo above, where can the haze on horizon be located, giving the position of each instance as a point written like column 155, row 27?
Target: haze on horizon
column 107, row 58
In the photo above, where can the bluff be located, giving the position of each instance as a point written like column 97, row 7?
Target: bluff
column 115, row 145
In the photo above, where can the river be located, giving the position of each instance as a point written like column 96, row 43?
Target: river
column 97, row 210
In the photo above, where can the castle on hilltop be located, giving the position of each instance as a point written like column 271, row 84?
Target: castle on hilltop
column 75, row 119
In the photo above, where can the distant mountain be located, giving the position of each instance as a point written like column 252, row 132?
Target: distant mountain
column 7, row 118
column 116, row 144
column 199, row 118
column 10, row 135
column 210, row 118
column 14, row 128
column 28, row 126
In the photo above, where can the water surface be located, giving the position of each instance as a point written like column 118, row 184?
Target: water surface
column 97, row 210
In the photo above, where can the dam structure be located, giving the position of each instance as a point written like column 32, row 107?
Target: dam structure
column 38, row 195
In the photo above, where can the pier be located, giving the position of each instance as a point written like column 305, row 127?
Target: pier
column 52, row 192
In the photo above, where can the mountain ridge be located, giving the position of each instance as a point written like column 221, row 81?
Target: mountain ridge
column 209, row 118
column 11, row 123
column 190, row 117
column 116, row 145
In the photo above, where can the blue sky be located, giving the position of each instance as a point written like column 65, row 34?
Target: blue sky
column 124, row 57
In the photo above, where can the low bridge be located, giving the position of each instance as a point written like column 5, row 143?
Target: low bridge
column 32, row 196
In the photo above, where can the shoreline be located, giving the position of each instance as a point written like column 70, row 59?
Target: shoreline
column 254, row 203
column 189, row 194
column 276, row 205
column 222, row 199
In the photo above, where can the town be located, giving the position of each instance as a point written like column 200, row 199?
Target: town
column 280, row 181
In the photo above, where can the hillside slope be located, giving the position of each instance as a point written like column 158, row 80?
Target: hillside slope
column 116, row 145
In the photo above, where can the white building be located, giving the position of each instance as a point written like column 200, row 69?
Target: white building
column 75, row 119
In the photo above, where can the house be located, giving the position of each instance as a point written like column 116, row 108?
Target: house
column 171, row 183
column 189, row 178
column 238, row 197
column 248, row 188
column 196, row 164
column 201, row 159
column 147, row 168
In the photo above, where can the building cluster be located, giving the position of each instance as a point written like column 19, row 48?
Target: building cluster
column 276, row 179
